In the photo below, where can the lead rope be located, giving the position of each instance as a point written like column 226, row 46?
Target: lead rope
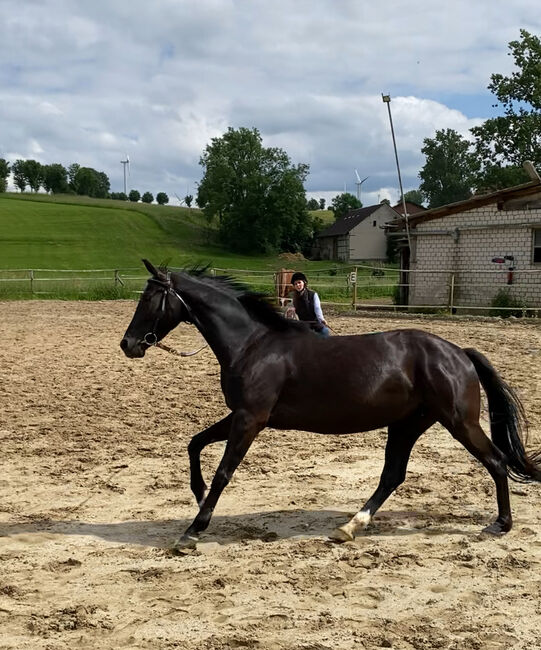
column 162, row 346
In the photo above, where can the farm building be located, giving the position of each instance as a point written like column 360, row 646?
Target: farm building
column 357, row 236
column 411, row 207
column 465, row 254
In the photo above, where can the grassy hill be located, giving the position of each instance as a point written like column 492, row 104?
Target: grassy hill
column 73, row 232
column 42, row 233
column 65, row 232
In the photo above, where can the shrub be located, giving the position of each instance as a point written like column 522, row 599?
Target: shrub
column 505, row 305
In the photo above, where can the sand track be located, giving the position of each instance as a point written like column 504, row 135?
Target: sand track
column 94, row 487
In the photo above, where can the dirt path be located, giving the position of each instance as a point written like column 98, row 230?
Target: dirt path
column 94, row 487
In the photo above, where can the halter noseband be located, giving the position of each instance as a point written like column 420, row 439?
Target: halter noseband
column 150, row 338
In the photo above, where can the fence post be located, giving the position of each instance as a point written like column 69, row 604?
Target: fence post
column 354, row 305
column 118, row 279
column 451, row 293
column 31, row 281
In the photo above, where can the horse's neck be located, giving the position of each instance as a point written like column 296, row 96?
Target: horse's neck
column 222, row 321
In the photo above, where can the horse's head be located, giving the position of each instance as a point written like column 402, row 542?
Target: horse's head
column 160, row 309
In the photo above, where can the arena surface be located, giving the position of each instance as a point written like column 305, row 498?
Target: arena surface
column 94, row 488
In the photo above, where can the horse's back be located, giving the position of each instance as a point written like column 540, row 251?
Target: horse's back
column 353, row 383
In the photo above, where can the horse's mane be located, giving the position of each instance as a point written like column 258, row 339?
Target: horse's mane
column 256, row 304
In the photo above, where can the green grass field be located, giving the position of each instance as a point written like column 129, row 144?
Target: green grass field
column 42, row 237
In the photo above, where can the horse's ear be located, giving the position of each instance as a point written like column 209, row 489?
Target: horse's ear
column 151, row 268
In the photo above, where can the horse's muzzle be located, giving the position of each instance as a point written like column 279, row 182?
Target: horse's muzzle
column 133, row 348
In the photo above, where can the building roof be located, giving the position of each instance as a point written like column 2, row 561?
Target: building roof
column 411, row 207
column 516, row 196
column 345, row 224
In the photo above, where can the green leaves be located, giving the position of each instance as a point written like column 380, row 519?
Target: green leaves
column 450, row 170
column 343, row 203
column 255, row 192
column 455, row 167
column 4, row 173
column 507, row 141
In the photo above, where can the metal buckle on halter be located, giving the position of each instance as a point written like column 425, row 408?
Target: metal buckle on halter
column 149, row 342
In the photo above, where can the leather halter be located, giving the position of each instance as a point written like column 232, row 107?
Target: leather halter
column 150, row 338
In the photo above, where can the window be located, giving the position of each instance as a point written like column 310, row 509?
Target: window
column 374, row 224
column 537, row 245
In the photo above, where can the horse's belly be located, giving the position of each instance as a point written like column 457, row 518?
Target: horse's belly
column 338, row 417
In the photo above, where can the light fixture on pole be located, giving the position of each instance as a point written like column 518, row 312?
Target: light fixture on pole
column 387, row 100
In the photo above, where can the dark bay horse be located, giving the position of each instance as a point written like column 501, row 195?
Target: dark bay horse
column 277, row 373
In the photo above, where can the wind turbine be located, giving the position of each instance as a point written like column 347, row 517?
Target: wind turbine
column 181, row 201
column 124, row 163
column 359, row 183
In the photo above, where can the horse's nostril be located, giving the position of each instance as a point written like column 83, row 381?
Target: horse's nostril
column 124, row 344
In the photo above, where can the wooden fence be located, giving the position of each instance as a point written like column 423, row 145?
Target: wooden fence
column 353, row 287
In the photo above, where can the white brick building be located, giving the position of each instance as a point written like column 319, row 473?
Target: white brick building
column 454, row 249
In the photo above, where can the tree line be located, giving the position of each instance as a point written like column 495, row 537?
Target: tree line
column 56, row 179
column 491, row 158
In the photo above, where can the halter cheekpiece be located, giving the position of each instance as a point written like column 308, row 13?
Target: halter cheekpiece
column 150, row 338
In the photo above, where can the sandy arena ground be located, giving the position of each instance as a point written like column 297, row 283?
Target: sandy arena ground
column 94, row 488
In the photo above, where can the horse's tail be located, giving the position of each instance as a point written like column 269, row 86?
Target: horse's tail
column 507, row 421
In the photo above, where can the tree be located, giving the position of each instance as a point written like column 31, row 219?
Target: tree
column 450, row 171
column 4, row 173
column 313, row 204
column 103, row 185
column 343, row 203
column 162, row 198
column 86, row 181
column 134, row 196
column 72, row 175
column 414, row 196
column 89, row 182
column 255, row 192
column 505, row 142
column 322, row 204
column 147, row 197
column 188, row 200
column 118, row 196
column 19, row 177
column 33, row 172
column 55, row 178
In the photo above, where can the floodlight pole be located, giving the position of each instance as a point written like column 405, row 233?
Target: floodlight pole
column 387, row 100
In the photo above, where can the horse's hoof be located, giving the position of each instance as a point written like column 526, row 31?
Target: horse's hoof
column 341, row 535
column 184, row 545
column 495, row 529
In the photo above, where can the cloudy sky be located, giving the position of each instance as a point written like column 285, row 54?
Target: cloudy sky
column 90, row 82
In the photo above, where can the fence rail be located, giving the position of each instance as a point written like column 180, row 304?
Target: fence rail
column 362, row 286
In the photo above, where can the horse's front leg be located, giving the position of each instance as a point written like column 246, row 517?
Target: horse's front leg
column 218, row 431
column 244, row 428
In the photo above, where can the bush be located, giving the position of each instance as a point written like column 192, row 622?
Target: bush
column 504, row 305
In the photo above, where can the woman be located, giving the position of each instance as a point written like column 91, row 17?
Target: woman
column 307, row 305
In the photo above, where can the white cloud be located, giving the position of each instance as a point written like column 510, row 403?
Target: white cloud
column 90, row 82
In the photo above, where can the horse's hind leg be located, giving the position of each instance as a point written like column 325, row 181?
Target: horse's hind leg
column 402, row 436
column 218, row 431
column 481, row 447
